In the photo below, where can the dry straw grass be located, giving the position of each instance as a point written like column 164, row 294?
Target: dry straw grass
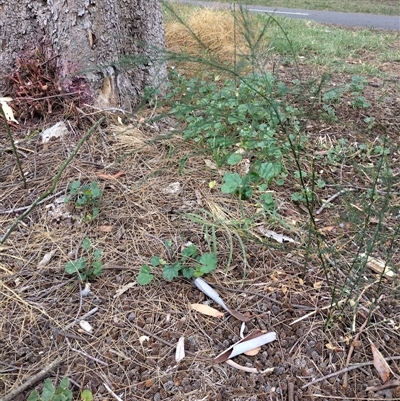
column 206, row 31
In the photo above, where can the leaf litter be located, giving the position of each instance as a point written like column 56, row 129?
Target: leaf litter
column 44, row 300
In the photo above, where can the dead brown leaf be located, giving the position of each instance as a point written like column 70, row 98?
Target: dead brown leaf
column 380, row 364
column 109, row 176
column 206, row 310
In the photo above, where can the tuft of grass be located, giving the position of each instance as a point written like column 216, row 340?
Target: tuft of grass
column 204, row 29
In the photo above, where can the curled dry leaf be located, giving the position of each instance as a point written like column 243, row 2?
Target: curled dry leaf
column 380, row 364
column 110, row 176
column 86, row 290
column 105, row 229
column 332, row 347
column 123, row 289
column 172, row 188
column 379, row 266
column 275, row 236
column 210, row 164
column 86, row 326
column 206, row 310
column 253, row 352
column 142, row 339
column 46, row 258
column 250, row 342
column 180, row 349
column 148, row 383
column 58, row 130
column 211, row 293
column 7, row 110
column 240, row 367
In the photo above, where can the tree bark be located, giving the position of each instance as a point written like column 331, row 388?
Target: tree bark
column 108, row 49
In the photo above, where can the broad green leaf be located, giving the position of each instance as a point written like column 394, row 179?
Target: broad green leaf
column 208, row 262
column 74, row 186
column 155, row 261
column 95, row 190
column 145, row 277
column 171, row 271
column 97, row 253
column 86, row 395
column 234, row 158
column 95, row 213
column 34, row 396
column 269, row 170
column 246, row 192
column 232, row 182
column 267, row 201
column 187, row 272
column 64, row 383
column 73, row 266
column 82, row 200
column 190, row 251
column 97, row 268
column 86, row 244
column 48, row 390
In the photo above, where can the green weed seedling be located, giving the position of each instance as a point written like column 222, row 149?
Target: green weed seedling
column 61, row 393
column 335, row 95
column 189, row 265
column 86, row 268
column 85, row 195
column 50, row 393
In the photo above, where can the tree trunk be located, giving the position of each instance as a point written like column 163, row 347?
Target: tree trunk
column 108, row 49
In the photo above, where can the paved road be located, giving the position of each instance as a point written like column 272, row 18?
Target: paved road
column 329, row 17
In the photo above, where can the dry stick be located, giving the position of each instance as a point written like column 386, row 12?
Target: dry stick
column 90, row 313
column 111, row 392
column 21, row 209
column 32, row 380
column 290, row 391
column 54, row 183
column 392, row 383
column 315, row 311
column 351, row 349
column 347, row 369
column 332, row 198
column 84, row 353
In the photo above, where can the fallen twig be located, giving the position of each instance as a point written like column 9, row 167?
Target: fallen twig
column 290, row 391
column 347, row 369
column 350, row 353
column 392, row 383
column 21, row 209
column 112, row 392
column 315, row 311
column 332, row 198
column 85, row 354
column 90, row 313
column 32, row 380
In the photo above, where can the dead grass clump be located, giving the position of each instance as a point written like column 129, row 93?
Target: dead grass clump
column 208, row 31
column 128, row 136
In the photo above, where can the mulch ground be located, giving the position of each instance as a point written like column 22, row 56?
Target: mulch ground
column 280, row 287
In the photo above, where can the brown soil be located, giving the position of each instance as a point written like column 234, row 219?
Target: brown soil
column 274, row 284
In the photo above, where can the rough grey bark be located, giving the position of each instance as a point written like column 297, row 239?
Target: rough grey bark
column 91, row 40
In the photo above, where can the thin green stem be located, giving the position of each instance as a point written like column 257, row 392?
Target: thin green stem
column 14, row 148
column 55, row 181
